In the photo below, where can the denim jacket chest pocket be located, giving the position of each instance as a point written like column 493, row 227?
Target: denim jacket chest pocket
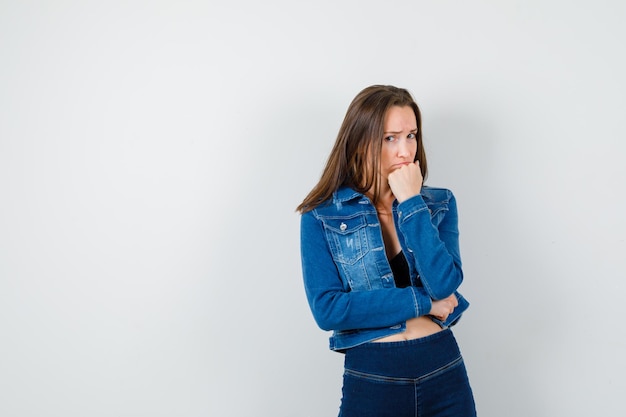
column 357, row 252
column 347, row 238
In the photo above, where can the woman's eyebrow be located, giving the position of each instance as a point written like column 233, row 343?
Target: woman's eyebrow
column 395, row 133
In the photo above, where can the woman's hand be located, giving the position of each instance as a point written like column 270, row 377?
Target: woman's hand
column 441, row 309
column 406, row 181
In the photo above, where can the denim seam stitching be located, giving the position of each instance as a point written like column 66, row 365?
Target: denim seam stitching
column 415, row 303
column 405, row 381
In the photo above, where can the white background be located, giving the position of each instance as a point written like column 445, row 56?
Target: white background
column 152, row 155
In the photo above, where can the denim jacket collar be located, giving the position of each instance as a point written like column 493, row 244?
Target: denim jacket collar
column 344, row 194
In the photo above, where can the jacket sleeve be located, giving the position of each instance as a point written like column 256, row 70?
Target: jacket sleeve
column 435, row 248
column 334, row 306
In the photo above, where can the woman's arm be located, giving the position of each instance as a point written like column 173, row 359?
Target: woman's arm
column 334, row 306
column 436, row 249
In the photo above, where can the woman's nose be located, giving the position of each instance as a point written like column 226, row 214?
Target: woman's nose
column 403, row 148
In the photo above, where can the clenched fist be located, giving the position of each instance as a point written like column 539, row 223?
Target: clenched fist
column 406, row 181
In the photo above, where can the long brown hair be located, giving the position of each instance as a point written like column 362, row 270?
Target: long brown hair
column 355, row 157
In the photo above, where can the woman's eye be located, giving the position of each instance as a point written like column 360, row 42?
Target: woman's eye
column 389, row 139
column 411, row 136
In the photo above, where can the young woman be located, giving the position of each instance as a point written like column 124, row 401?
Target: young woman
column 381, row 265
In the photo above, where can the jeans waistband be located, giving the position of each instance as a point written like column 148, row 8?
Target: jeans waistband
column 404, row 359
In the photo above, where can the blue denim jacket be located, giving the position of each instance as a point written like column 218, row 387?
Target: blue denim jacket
column 347, row 277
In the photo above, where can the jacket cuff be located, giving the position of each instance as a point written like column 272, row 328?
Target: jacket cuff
column 422, row 301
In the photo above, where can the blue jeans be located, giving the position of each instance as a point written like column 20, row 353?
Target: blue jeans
column 418, row 378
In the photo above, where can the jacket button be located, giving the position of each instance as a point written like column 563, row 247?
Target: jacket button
column 343, row 227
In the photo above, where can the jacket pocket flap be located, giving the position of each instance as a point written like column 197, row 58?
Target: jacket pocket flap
column 345, row 226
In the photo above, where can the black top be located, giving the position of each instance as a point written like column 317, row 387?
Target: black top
column 400, row 269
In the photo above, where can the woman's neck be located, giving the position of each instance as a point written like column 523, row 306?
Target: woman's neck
column 385, row 201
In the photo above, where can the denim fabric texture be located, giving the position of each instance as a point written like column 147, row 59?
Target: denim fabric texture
column 423, row 377
column 348, row 281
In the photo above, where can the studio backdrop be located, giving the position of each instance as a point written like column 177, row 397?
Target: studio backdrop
column 152, row 155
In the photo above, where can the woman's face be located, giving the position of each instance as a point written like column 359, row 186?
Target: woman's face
column 399, row 140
